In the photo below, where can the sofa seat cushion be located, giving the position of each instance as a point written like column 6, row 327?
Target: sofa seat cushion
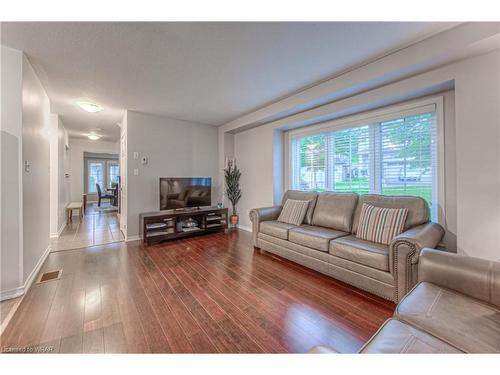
column 276, row 228
column 370, row 254
column 313, row 236
column 466, row 323
column 398, row 337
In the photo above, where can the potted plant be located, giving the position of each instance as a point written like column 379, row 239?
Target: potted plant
column 232, row 175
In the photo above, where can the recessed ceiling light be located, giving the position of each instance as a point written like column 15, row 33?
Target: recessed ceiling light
column 93, row 136
column 89, row 107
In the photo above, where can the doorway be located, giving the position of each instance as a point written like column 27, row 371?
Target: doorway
column 101, row 222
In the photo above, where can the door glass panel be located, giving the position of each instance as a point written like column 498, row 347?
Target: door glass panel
column 96, row 176
column 113, row 172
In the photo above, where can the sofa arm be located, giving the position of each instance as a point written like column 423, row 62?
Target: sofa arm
column 404, row 251
column 257, row 215
column 475, row 277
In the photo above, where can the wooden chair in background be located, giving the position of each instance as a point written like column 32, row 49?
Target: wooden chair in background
column 102, row 196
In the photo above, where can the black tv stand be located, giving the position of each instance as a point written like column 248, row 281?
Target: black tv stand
column 168, row 225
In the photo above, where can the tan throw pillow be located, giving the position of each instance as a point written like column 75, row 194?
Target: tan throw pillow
column 293, row 211
column 380, row 225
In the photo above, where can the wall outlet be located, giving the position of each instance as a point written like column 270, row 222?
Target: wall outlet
column 136, row 172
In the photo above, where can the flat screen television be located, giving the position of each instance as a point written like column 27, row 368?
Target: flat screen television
column 184, row 192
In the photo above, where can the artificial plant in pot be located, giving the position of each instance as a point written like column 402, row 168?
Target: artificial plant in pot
column 232, row 175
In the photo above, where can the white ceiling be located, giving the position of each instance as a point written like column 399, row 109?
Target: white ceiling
column 203, row 72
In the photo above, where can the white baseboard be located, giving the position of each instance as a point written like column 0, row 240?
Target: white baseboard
column 58, row 234
column 9, row 316
column 11, row 293
column 19, row 291
column 62, row 228
column 133, row 238
column 35, row 271
column 246, row 229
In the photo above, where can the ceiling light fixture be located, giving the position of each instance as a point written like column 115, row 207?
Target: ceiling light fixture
column 89, row 107
column 93, row 136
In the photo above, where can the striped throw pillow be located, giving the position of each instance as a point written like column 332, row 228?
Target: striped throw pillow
column 293, row 211
column 380, row 225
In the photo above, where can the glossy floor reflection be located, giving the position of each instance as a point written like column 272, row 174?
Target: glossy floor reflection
column 206, row 294
column 99, row 226
column 7, row 309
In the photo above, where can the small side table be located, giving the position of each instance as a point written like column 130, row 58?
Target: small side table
column 74, row 206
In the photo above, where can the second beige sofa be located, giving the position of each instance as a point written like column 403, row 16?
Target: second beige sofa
column 327, row 242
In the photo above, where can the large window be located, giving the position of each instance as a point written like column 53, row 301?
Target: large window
column 393, row 156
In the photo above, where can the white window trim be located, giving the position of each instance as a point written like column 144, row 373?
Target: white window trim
column 434, row 103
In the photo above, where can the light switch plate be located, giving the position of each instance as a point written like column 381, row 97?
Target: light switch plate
column 136, row 155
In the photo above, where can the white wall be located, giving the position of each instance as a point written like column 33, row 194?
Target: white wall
column 36, row 182
column 63, row 169
column 123, row 174
column 54, row 175
column 253, row 151
column 25, row 193
column 77, row 147
column 174, row 148
column 472, row 179
column 477, row 100
column 11, row 267
column 59, row 184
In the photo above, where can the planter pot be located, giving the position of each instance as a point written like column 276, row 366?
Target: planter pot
column 234, row 219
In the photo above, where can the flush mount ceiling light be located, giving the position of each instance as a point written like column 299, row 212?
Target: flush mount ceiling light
column 89, row 107
column 93, row 136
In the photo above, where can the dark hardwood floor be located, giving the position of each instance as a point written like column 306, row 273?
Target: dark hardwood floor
column 209, row 294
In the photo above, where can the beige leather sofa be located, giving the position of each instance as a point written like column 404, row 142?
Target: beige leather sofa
column 455, row 308
column 327, row 242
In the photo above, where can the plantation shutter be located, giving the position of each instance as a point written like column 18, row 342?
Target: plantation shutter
column 409, row 157
column 309, row 161
column 351, row 158
column 394, row 154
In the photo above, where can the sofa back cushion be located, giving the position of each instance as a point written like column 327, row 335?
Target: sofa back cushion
column 335, row 210
column 418, row 210
column 302, row 196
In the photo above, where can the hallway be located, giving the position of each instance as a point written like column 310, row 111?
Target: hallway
column 99, row 226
